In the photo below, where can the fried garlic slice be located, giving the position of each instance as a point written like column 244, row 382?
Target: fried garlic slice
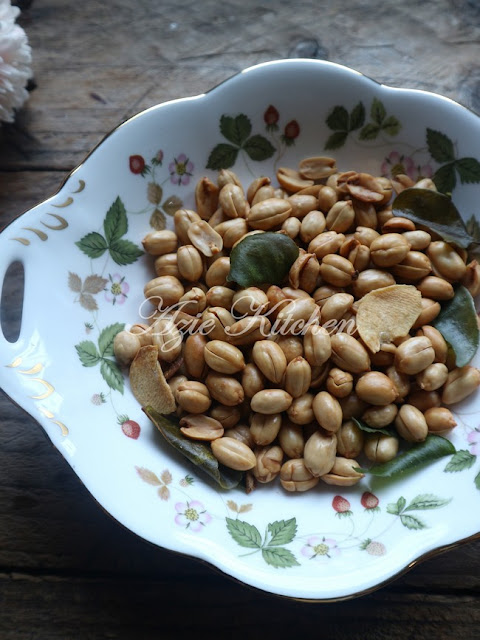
column 148, row 382
column 387, row 313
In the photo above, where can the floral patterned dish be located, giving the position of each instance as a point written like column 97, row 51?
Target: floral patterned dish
column 84, row 245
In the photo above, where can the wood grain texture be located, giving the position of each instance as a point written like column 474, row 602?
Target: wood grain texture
column 98, row 63
column 67, row 569
column 156, row 608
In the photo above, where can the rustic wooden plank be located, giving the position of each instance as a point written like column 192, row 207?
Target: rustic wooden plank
column 19, row 191
column 98, row 608
column 150, row 54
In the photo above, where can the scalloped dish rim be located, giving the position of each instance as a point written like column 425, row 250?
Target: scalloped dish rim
column 277, row 554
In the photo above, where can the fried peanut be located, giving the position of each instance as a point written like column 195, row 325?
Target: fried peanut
column 289, row 365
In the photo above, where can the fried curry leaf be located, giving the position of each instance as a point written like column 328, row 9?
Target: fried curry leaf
column 363, row 426
column 434, row 211
column 433, row 448
column 198, row 453
column 457, row 322
column 262, row 258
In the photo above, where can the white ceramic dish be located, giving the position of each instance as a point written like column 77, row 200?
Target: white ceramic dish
column 322, row 545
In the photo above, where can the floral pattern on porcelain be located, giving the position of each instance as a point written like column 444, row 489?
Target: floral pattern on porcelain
column 117, row 289
column 284, row 544
column 192, row 515
column 180, row 171
column 439, row 146
column 274, row 534
column 237, row 131
column 241, row 142
column 320, row 548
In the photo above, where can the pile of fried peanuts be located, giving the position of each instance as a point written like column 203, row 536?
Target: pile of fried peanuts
column 279, row 404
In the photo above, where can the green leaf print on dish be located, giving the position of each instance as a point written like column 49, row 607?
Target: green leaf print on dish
column 463, row 459
column 426, row 501
column 422, row 502
column 236, row 130
column 477, row 481
column 279, row 557
column 440, row 146
column 442, row 150
column 282, row 531
column 90, row 356
column 112, row 374
column 380, row 122
column 412, row 522
column 278, row 533
column 343, row 123
column 115, row 225
column 106, row 338
column 245, row 534
column 93, row 244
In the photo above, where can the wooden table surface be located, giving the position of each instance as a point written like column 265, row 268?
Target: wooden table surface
column 67, row 570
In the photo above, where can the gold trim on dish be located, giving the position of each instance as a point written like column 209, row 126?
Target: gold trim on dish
column 81, row 186
column 67, row 203
column 51, row 416
column 63, row 224
column 46, row 412
column 29, row 372
column 56, row 227
column 16, row 363
column 63, row 428
column 49, row 389
column 41, row 234
column 37, row 367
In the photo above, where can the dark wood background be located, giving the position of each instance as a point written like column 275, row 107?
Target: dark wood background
column 67, row 570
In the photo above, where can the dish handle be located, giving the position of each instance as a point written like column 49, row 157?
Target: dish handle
column 10, row 253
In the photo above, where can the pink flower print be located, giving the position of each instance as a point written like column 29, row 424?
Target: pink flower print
column 392, row 160
column 425, row 171
column 396, row 163
column 117, row 289
column 320, row 548
column 474, row 442
column 181, row 170
column 192, row 515
column 408, row 167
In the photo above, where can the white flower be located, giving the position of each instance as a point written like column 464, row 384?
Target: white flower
column 15, row 60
